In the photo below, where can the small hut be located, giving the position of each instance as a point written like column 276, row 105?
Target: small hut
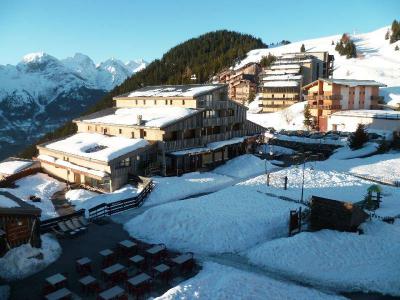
column 332, row 214
column 19, row 223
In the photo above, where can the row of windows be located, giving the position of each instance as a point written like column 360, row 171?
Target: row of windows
column 158, row 102
column 142, row 132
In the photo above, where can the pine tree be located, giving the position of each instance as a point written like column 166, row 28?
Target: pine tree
column 395, row 32
column 387, row 34
column 308, row 121
column 302, row 48
column 267, row 60
column 358, row 138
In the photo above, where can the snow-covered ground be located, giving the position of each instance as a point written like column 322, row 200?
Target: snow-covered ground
column 340, row 261
column 4, row 292
column 42, row 186
column 216, row 281
column 290, row 118
column 21, row 262
column 229, row 220
column 346, row 152
column 174, row 188
column 13, row 166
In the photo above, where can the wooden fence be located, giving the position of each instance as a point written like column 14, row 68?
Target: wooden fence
column 46, row 225
column 108, row 209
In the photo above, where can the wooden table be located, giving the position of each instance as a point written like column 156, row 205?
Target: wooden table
column 127, row 247
column 138, row 283
column 112, row 293
column 63, row 293
column 183, row 258
column 108, row 256
column 163, row 271
column 113, row 271
column 106, row 252
column 56, row 280
column 155, row 252
column 83, row 264
column 136, row 260
column 87, row 282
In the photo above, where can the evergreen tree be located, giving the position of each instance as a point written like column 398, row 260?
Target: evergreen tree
column 308, row 119
column 333, row 43
column 302, row 48
column 358, row 138
column 267, row 60
column 396, row 48
column 395, row 32
column 387, row 34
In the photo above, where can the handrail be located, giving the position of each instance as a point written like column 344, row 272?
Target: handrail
column 45, row 225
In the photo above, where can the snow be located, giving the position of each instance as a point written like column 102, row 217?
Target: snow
column 338, row 260
column 151, row 116
column 19, row 262
column 289, row 118
column 173, row 91
column 6, row 202
column 13, row 166
column 78, row 195
column 40, row 185
column 277, row 150
column 282, row 83
column 243, row 166
column 210, row 147
column 174, row 188
column 97, row 146
column 354, row 83
column 377, row 60
column 346, row 152
column 86, row 200
column 229, row 220
column 216, row 281
column 378, row 114
column 282, row 77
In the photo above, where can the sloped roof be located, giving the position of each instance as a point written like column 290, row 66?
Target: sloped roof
column 23, row 208
column 354, row 82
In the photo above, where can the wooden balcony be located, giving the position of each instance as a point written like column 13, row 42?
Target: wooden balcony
column 326, row 107
column 323, row 97
column 224, row 121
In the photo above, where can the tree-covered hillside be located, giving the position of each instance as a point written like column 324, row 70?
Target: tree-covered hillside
column 202, row 56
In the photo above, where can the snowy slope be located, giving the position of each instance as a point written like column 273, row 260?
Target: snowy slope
column 377, row 59
column 41, row 92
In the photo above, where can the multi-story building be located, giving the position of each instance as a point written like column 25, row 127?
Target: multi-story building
column 242, row 82
column 165, row 129
column 281, row 83
column 327, row 96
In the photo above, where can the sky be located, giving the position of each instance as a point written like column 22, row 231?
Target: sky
column 146, row 29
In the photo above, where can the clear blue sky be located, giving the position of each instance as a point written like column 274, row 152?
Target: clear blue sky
column 146, row 29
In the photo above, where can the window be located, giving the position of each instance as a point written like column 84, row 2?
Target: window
column 125, row 162
column 105, row 131
column 120, row 131
column 144, row 133
column 272, row 96
column 88, row 128
column 136, row 102
column 166, row 102
column 144, row 102
column 133, row 135
column 170, row 102
column 183, row 102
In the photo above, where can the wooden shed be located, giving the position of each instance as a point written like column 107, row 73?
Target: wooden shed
column 332, row 214
column 19, row 223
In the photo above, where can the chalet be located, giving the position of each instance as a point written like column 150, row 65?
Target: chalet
column 327, row 96
column 19, row 223
column 167, row 130
column 332, row 214
column 281, row 83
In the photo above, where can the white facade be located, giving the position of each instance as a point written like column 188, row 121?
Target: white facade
column 372, row 119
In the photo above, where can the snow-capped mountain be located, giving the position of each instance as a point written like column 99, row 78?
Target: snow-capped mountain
column 377, row 59
column 41, row 92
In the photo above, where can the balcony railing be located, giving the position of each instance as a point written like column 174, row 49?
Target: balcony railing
column 327, row 107
column 377, row 98
column 324, row 97
column 284, row 99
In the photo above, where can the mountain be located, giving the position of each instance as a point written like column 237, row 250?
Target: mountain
column 204, row 56
column 376, row 59
column 42, row 92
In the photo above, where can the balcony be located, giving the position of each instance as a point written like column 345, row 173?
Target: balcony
column 323, row 97
column 219, row 121
column 377, row 98
column 326, row 107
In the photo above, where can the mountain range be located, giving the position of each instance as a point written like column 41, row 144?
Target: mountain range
column 41, row 92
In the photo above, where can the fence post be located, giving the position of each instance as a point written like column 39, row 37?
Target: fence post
column 286, row 181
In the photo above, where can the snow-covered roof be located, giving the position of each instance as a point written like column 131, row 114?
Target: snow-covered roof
column 282, row 72
column 365, row 113
column 210, row 147
column 190, row 90
column 282, row 77
column 282, row 83
column 354, row 82
column 97, row 146
column 13, row 166
column 285, row 66
column 151, row 116
column 6, row 202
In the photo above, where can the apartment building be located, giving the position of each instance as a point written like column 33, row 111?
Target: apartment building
column 169, row 130
column 327, row 96
column 281, row 83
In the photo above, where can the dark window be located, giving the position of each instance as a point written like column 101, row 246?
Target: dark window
column 125, row 163
column 120, row 131
column 133, row 135
column 183, row 102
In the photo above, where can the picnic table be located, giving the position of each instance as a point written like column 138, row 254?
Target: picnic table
column 56, row 280
column 138, row 283
column 63, row 293
column 156, row 251
column 87, row 282
column 114, row 272
column 112, row 293
column 108, row 256
column 83, row 264
column 184, row 261
column 136, row 260
column 163, row 271
column 127, row 246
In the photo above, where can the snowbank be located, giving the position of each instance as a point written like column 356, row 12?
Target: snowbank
column 244, row 166
column 216, row 281
column 42, row 186
column 91, row 199
column 347, row 153
column 79, row 195
column 229, row 220
column 20, row 262
column 289, row 118
column 338, row 260
column 175, row 188
column 384, row 169
column 13, row 166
